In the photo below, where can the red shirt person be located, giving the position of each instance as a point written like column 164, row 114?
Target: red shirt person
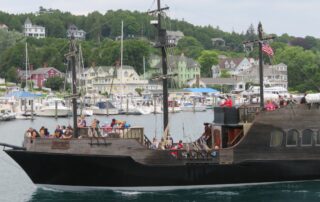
column 227, row 103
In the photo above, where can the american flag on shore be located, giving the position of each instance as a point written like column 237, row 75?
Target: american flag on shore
column 267, row 49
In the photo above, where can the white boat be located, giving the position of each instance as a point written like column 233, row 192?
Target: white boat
column 85, row 112
column 6, row 114
column 104, row 108
column 53, row 107
column 190, row 107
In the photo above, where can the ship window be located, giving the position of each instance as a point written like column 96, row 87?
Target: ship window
column 318, row 138
column 276, row 138
column 292, row 137
column 307, row 137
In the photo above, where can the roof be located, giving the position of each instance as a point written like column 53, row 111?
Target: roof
column 175, row 33
column 220, row 81
column 28, row 21
column 201, row 90
column 22, row 94
column 44, row 70
column 236, row 61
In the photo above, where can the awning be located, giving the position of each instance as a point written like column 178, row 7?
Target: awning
column 201, row 90
column 22, row 94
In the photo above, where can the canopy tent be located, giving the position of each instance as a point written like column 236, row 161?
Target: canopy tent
column 22, row 94
column 201, row 90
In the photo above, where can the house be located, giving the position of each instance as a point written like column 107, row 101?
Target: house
column 40, row 75
column 234, row 83
column 77, row 33
column 273, row 75
column 115, row 80
column 2, row 81
column 33, row 30
column 4, row 27
column 174, row 36
column 180, row 67
column 232, row 65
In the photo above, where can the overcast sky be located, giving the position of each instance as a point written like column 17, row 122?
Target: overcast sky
column 295, row 17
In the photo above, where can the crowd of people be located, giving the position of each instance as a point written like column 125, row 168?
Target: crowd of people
column 61, row 132
column 281, row 102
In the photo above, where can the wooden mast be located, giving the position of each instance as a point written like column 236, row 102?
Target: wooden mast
column 72, row 65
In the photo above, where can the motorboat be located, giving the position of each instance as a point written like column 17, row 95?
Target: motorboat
column 53, row 107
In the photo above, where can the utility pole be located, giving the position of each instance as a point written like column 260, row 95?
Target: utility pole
column 162, row 43
column 260, row 41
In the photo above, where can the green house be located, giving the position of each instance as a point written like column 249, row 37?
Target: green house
column 183, row 68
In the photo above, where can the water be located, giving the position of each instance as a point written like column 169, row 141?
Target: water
column 16, row 186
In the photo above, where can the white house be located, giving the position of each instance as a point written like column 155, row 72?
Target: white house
column 234, row 66
column 77, row 33
column 33, row 30
column 174, row 36
column 113, row 80
column 4, row 27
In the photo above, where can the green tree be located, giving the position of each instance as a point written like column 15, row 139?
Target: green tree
column 55, row 83
column 225, row 74
column 206, row 60
column 190, row 47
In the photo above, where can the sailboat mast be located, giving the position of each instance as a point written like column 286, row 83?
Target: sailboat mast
column 162, row 41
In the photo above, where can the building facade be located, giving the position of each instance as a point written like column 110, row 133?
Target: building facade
column 273, row 75
column 181, row 68
column 33, row 30
column 114, row 80
column 233, row 66
column 77, row 33
column 174, row 36
column 40, row 75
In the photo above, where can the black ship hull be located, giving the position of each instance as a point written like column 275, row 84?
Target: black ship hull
column 123, row 171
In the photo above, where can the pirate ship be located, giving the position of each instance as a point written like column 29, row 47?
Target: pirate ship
column 245, row 145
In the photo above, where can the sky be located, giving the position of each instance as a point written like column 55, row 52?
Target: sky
column 296, row 17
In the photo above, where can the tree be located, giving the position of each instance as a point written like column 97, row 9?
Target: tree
column 225, row 74
column 190, row 47
column 55, row 83
column 206, row 60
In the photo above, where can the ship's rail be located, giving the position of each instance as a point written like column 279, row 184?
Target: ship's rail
column 124, row 133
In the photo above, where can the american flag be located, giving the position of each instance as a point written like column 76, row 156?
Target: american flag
column 267, row 49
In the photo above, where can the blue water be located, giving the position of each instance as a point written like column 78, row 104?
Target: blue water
column 16, row 186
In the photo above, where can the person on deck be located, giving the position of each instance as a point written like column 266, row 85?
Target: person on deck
column 270, row 106
column 303, row 99
column 82, row 122
column 228, row 102
column 117, row 123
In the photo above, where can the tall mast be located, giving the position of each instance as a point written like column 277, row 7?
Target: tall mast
column 72, row 65
column 121, row 62
column 162, row 44
column 261, row 65
column 260, row 41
